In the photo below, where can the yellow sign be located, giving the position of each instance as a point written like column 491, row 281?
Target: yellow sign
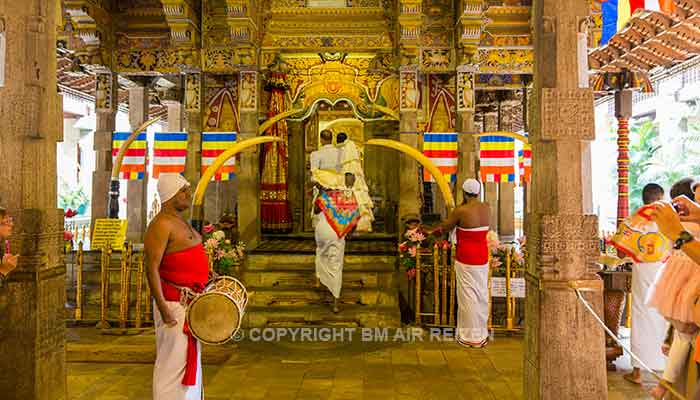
column 108, row 231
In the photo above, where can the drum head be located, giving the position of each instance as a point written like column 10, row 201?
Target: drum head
column 214, row 318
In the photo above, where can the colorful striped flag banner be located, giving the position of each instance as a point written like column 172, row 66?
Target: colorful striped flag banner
column 441, row 148
column 134, row 162
column 169, row 153
column 525, row 163
column 213, row 144
column 497, row 159
column 616, row 13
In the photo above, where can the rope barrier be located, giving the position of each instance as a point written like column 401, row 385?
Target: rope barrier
column 634, row 356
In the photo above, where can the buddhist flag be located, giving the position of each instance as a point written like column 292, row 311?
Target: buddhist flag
column 616, row 13
column 497, row 159
column 134, row 162
column 169, row 153
column 213, row 144
column 441, row 148
column 525, row 163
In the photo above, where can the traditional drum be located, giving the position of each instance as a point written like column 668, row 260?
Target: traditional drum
column 638, row 237
column 215, row 315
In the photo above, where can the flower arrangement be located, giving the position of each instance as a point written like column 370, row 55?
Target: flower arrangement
column 408, row 248
column 499, row 252
column 226, row 254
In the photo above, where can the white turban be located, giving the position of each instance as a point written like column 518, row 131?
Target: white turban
column 169, row 184
column 471, row 186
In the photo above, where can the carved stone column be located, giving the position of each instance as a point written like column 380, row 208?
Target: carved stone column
column 249, row 166
column 562, row 232
column 106, row 102
column 409, row 189
column 175, row 116
column 193, row 126
column 32, row 315
column 491, row 188
column 506, row 190
column 137, row 193
column 467, row 145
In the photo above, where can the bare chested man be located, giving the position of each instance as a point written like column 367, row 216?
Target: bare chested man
column 471, row 220
column 176, row 260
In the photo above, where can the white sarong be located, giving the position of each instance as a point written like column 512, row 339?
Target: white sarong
column 473, row 303
column 171, row 357
column 329, row 255
column 648, row 326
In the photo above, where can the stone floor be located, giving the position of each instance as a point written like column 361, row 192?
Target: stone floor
column 257, row 368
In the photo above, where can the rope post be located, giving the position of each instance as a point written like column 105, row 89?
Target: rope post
column 443, row 267
column 79, row 283
column 418, row 285
column 453, row 287
column 490, row 321
column 436, row 285
column 105, row 260
column 139, row 290
column 509, row 305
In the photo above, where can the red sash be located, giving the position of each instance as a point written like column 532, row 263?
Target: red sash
column 472, row 247
column 186, row 268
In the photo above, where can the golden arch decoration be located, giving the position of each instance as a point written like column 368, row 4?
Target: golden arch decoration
column 198, row 198
column 424, row 161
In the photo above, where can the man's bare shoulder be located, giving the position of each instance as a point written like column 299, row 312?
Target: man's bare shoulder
column 161, row 223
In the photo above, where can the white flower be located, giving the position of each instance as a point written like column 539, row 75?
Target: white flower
column 218, row 235
column 227, row 241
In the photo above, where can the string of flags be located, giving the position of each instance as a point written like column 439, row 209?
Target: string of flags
column 441, row 148
column 170, row 154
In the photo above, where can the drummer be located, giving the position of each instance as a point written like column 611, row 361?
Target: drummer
column 177, row 267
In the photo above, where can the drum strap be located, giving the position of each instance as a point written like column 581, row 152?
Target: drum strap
column 186, row 294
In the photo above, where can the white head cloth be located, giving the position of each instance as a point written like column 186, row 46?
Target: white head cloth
column 169, row 184
column 471, row 186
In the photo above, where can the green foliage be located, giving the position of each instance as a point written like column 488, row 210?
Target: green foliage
column 660, row 159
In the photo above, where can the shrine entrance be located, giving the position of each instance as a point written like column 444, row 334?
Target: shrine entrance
column 381, row 165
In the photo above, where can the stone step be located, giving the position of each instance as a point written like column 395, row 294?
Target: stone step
column 307, row 278
column 305, row 296
column 295, row 261
column 351, row 315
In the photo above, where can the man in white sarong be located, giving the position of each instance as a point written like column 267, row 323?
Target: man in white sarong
column 330, row 249
column 471, row 220
column 350, row 161
column 648, row 326
column 176, row 262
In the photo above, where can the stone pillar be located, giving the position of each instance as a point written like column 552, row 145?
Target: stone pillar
column 192, row 124
column 32, row 315
column 175, row 116
column 562, row 232
column 409, row 187
column 491, row 188
column 105, row 113
column 248, row 206
column 137, row 193
column 506, row 210
column 506, row 190
column 468, row 144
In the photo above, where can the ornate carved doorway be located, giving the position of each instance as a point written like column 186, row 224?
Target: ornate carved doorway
column 336, row 121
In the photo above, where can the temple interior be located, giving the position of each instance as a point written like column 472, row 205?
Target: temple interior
column 563, row 110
